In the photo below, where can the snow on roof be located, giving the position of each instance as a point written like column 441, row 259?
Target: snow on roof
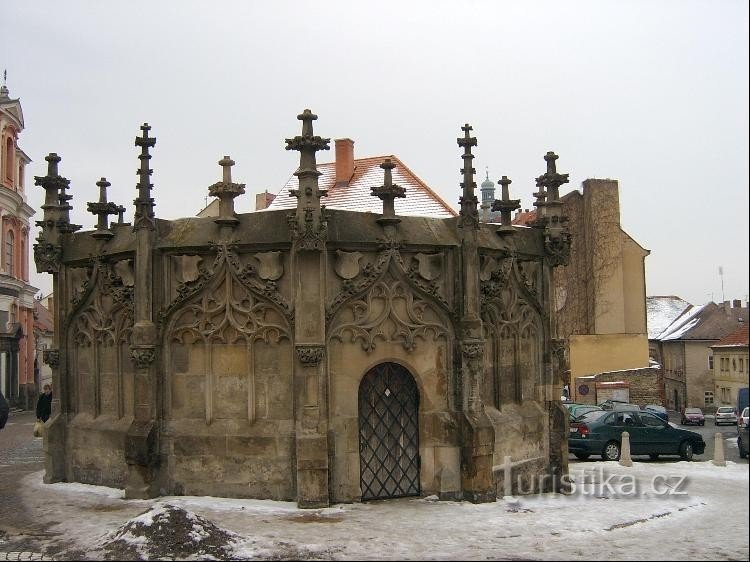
column 685, row 322
column 420, row 200
column 661, row 311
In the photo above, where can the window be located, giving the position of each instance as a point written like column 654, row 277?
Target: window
column 734, row 365
column 711, row 362
column 9, row 164
column 725, row 395
column 651, row 421
column 709, row 398
column 9, row 250
column 742, row 365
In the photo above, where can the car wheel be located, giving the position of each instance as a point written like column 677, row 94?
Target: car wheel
column 611, row 451
column 653, row 456
column 582, row 456
column 686, row 451
column 702, row 423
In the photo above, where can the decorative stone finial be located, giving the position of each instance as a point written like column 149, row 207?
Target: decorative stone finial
column 120, row 214
column 387, row 193
column 551, row 181
column 308, row 224
column 102, row 209
column 549, row 214
column 56, row 219
column 468, row 201
column 506, row 206
column 226, row 191
column 144, row 204
column 548, row 197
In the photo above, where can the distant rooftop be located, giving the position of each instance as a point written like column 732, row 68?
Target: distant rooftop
column 661, row 311
column 361, row 175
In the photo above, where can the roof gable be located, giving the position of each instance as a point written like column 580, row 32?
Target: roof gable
column 420, row 200
column 13, row 109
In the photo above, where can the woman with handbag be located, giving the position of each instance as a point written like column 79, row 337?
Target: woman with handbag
column 43, row 409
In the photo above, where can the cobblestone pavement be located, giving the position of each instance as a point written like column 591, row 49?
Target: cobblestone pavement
column 20, row 454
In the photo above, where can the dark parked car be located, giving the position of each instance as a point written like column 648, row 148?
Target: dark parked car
column 600, row 433
column 743, row 440
column 692, row 415
column 658, row 411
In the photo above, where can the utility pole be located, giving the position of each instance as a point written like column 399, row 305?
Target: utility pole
column 721, row 276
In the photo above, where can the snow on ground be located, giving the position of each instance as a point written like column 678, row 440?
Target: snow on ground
column 668, row 511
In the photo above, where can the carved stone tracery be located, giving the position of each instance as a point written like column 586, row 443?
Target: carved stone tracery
column 389, row 312
column 261, row 281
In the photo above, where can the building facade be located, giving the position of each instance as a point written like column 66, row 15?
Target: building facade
column 600, row 296
column 685, row 349
column 731, row 368
column 17, row 349
column 311, row 354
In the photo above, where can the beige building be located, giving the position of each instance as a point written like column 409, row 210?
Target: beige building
column 731, row 368
column 600, row 296
column 306, row 353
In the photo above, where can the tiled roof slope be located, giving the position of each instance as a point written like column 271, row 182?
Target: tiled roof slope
column 524, row 218
column 661, row 311
column 707, row 322
column 739, row 338
column 420, row 200
column 42, row 317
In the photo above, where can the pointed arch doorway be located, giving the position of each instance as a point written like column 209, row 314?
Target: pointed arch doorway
column 388, row 433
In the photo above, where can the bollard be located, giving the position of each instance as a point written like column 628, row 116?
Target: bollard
column 625, row 459
column 719, row 450
column 507, row 484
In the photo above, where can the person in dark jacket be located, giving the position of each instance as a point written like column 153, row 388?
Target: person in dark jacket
column 4, row 410
column 44, row 404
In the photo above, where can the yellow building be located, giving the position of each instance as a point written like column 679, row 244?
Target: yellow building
column 730, row 365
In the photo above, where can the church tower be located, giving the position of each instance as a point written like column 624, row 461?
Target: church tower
column 488, row 196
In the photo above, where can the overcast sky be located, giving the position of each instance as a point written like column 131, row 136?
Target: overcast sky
column 651, row 93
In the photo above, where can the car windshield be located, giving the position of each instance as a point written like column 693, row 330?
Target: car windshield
column 745, row 412
column 725, row 410
column 693, row 411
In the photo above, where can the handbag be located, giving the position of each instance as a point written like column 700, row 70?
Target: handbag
column 38, row 429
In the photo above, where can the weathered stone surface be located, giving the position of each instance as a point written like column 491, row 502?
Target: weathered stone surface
column 227, row 358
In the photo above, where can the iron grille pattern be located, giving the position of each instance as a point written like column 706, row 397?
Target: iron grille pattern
column 388, row 433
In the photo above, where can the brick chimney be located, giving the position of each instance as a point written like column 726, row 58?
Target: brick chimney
column 736, row 303
column 263, row 200
column 344, row 161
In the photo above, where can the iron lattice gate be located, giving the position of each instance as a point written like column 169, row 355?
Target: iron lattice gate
column 388, row 433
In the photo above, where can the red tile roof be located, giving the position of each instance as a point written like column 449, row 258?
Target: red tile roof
column 355, row 196
column 738, row 338
column 524, row 218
